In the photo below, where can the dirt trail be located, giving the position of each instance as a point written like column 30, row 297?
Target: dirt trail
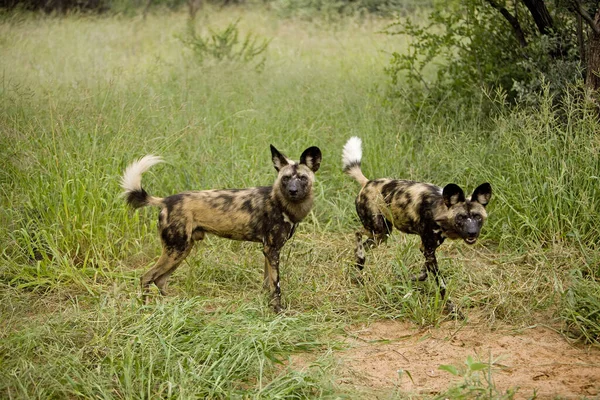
column 535, row 359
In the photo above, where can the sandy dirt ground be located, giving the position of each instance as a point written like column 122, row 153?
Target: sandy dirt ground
column 537, row 360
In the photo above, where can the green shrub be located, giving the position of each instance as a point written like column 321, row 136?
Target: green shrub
column 467, row 46
column 226, row 45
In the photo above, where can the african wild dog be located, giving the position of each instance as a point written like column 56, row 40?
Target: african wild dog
column 419, row 208
column 267, row 214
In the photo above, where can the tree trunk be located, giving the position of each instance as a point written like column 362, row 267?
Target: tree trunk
column 541, row 15
column 592, row 79
column 193, row 6
column 512, row 20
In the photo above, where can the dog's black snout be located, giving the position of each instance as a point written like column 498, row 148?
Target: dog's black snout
column 473, row 233
column 293, row 188
column 472, row 229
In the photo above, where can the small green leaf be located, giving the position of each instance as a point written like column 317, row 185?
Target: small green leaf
column 450, row 368
column 477, row 366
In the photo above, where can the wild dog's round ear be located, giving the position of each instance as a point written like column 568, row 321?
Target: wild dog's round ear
column 482, row 194
column 279, row 160
column 311, row 157
column 452, row 195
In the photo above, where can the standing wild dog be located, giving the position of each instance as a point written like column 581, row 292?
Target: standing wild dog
column 419, row 208
column 267, row 214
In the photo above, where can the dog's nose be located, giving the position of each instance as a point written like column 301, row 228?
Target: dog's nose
column 293, row 192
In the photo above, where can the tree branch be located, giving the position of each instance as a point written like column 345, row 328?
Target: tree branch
column 540, row 15
column 514, row 22
column 587, row 17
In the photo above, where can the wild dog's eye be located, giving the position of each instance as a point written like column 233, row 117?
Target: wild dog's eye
column 477, row 217
column 285, row 179
column 460, row 218
column 304, row 178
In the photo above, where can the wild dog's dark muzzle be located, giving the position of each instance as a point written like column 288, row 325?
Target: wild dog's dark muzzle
column 293, row 188
column 296, row 189
column 471, row 229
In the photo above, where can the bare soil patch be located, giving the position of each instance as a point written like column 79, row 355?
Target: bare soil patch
column 536, row 360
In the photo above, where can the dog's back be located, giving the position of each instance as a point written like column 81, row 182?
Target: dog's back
column 237, row 214
column 407, row 205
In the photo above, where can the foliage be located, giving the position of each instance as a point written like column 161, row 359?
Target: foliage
column 334, row 9
column 286, row 8
column 477, row 381
column 468, row 47
column 226, row 45
column 127, row 7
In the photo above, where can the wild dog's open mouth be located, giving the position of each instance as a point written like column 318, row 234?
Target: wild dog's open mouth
column 296, row 199
column 470, row 240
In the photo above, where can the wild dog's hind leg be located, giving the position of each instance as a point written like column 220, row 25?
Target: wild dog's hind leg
column 161, row 281
column 359, row 253
column 377, row 228
column 373, row 240
column 176, row 247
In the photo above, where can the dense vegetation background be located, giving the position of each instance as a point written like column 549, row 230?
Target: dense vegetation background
column 438, row 91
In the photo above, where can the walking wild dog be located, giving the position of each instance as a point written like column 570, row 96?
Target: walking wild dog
column 419, row 208
column 268, row 215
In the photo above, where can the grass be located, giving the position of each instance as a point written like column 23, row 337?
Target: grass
column 83, row 96
column 114, row 348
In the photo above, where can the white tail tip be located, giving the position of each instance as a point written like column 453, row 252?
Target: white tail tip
column 132, row 177
column 352, row 152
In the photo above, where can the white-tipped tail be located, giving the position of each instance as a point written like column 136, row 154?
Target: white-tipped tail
column 351, row 157
column 132, row 177
column 352, row 153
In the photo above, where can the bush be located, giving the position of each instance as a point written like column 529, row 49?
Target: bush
column 468, row 46
column 226, row 45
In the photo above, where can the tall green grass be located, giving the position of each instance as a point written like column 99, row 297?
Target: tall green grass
column 114, row 349
column 82, row 97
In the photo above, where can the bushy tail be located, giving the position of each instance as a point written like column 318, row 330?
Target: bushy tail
column 351, row 157
column 131, row 181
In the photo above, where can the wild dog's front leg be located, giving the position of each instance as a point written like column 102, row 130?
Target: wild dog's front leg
column 272, row 275
column 431, row 265
column 436, row 241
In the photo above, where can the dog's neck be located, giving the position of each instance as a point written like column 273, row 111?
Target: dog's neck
column 295, row 212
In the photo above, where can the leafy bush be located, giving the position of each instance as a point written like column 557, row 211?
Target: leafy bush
column 467, row 46
column 226, row 45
